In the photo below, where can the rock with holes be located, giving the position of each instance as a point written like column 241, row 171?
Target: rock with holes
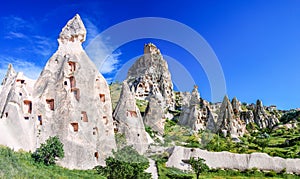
column 72, row 101
column 16, row 123
column 149, row 75
column 129, row 120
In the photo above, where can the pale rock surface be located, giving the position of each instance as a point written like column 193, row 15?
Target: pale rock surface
column 261, row 118
column 149, row 76
column 152, row 169
column 227, row 122
column 16, row 123
column 227, row 160
column 129, row 120
column 247, row 116
column 154, row 115
column 72, row 101
column 236, row 106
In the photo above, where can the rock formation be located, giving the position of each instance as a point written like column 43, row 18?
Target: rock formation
column 149, row 75
column 17, row 121
column 129, row 120
column 261, row 118
column 227, row 160
column 72, row 100
column 236, row 106
column 154, row 115
column 227, row 122
column 247, row 116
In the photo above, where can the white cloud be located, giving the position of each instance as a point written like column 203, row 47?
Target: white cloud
column 12, row 35
column 29, row 69
column 100, row 51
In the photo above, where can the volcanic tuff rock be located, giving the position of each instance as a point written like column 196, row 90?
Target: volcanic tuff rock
column 72, row 100
column 227, row 122
column 129, row 120
column 262, row 119
column 149, row 75
column 154, row 115
column 16, row 123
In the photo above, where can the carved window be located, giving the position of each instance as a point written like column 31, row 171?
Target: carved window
column 26, row 118
column 27, row 107
column 95, row 130
column 75, row 126
column 84, row 116
column 132, row 113
column 96, row 155
column 72, row 66
column 40, row 119
column 6, row 114
column 102, row 97
column 50, row 103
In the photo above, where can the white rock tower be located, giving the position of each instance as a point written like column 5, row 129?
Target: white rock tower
column 72, row 101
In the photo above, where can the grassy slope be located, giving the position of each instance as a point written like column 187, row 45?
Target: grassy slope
column 21, row 165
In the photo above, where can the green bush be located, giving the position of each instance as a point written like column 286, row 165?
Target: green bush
column 49, row 152
column 125, row 163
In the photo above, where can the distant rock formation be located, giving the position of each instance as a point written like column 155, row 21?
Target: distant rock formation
column 227, row 122
column 129, row 120
column 17, row 120
column 227, row 160
column 149, row 75
column 261, row 118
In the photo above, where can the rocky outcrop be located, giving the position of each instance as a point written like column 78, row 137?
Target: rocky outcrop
column 149, row 75
column 129, row 120
column 16, row 123
column 154, row 115
column 227, row 160
column 227, row 122
column 262, row 119
column 196, row 113
column 72, row 101
column 236, row 106
column 247, row 116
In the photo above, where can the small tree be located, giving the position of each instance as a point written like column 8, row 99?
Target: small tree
column 126, row 163
column 49, row 152
column 198, row 165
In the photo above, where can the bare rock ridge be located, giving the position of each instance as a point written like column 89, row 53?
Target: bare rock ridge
column 149, row 75
column 261, row 118
column 129, row 120
column 70, row 99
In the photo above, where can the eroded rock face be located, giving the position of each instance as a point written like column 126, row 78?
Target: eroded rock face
column 17, row 120
column 150, row 76
column 72, row 101
column 154, row 115
column 262, row 119
column 236, row 106
column 129, row 120
column 227, row 122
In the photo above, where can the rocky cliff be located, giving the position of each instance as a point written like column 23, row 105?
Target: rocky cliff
column 129, row 120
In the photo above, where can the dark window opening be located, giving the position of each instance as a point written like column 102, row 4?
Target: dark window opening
column 84, row 116
column 65, row 83
column 72, row 66
column 26, row 118
column 6, row 114
column 102, row 97
column 96, row 155
column 95, row 130
column 76, row 92
column 27, row 106
column 138, row 135
column 50, row 103
column 75, row 126
column 21, row 81
column 40, row 119
column 20, row 94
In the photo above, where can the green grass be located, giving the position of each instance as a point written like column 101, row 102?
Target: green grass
column 21, row 165
column 142, row 105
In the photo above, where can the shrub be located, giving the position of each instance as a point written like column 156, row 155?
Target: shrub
column 49, row 152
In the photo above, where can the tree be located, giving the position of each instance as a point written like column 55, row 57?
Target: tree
column 125, row 163
column 198, row 165
column 49, row 152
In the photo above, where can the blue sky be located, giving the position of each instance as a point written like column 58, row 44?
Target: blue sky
column 257, row 42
